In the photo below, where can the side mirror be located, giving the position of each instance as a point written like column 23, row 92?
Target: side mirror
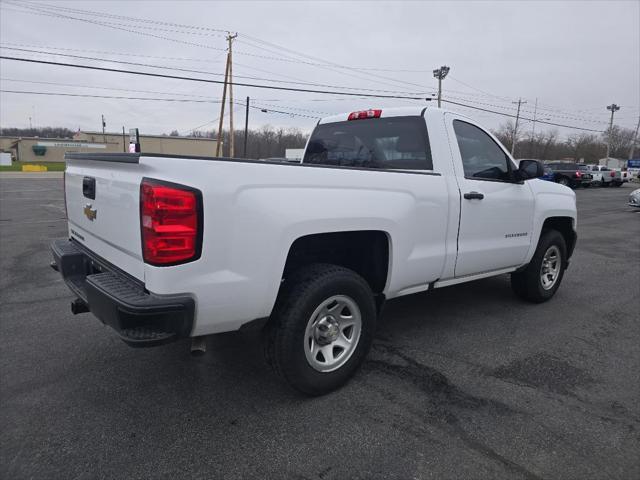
column 528, row 169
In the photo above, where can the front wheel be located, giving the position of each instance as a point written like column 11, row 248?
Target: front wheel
column 540, row 280
column 321, row 328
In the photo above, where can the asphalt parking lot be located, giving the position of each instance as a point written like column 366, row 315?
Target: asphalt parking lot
column 463, row 382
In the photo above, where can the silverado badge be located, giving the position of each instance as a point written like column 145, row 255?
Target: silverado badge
column 90, row 213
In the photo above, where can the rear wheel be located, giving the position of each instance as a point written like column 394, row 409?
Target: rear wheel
column 539, row 281
column 321, row 328
column 563, row 181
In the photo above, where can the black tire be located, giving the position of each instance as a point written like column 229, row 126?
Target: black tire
column 298, row 299
column 527, row 283
column 564, row 181
column 586, row 185
column 606, row 184
column 618, row 184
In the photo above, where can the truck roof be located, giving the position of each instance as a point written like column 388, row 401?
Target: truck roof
column 386, row 112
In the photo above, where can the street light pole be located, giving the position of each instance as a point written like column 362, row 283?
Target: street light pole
column 614, row 108
column 440, row 74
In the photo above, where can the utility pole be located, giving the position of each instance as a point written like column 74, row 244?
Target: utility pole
column 227, row 81
column 104, row 124
column 231, row 134
column 614, row 108
column 515, row 127
column 224, row 99
column 124, row 141
column 440, row 73
column 30, row 124
column 246, row 129
column 635, row 139
column 533, row 129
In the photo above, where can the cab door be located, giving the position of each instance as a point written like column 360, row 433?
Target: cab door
column 496, row 213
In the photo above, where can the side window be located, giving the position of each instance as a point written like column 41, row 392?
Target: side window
column 482, row 158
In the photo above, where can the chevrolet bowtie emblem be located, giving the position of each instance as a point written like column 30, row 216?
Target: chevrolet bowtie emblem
column 90, row 213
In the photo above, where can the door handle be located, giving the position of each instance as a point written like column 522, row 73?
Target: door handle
column 473, row 196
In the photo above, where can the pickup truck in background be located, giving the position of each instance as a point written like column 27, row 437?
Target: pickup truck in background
column 386, row 203
column 608, row 176
column 570, row 174
column 597, row 179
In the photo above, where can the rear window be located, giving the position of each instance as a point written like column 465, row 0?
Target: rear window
column 390, row 143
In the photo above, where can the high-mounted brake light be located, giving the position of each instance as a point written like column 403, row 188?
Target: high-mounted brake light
column 364, row 114
column 170, row 223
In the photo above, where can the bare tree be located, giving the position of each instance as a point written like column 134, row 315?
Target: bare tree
column 621, row 140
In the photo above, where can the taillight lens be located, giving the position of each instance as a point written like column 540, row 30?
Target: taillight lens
column 364, row 114
column 612, row 174
column 170, row 223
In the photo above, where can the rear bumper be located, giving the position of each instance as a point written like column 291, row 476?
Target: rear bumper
column 140, row 318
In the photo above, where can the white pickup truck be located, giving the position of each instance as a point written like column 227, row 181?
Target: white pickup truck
column 385, row 203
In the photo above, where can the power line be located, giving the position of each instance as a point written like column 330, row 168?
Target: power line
column 178, row 100
column 207, row 72
column 122, row 54
column 283, row 59
column 111, row 15
column 523, row 118
column 86, row 95
column 206, row 80
column 51, row 10
column 271, row 87
column 59, row 84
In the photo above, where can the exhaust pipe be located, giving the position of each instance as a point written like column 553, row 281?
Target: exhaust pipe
column 78, row 306
column 198, row 346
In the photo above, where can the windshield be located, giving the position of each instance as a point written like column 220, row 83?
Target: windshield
column 394, row 143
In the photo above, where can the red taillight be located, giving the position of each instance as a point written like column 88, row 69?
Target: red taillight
column 612, row 174
column 578, row 173
column 170, row 223
column 365, row 114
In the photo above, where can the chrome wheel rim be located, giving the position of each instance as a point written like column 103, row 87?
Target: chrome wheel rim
column 332, row 333
column 550, row 269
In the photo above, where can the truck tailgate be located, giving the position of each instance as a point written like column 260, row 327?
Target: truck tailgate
column 102, row 194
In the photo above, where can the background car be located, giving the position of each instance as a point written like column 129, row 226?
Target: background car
column 634, row 198
column 570, row 174
column 610, row 176
column 597, row 179
column 548, row 174
column 624, row 176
